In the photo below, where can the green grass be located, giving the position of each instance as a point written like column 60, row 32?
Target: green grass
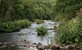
column 42, row 31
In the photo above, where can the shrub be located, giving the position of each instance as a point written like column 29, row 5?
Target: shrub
column 42, row 31
column 7, row 27
column 13, row 26
column 23, row 23
column 69, row 32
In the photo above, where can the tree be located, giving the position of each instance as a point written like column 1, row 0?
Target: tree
column 69, row 8
column 8, row 9
column 39, row 9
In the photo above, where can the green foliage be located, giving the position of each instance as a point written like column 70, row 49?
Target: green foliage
column 39, row 9
column 14, row 26
column 79, row 43
column 8, row 27
column 23, row 23
column 12, row 10
column 38, row 21
column 30, row 9
column 9, row 9
column 42, row 31
column 69, row 32
column 68, row 8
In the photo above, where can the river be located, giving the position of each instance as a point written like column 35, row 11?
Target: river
column 27, row 37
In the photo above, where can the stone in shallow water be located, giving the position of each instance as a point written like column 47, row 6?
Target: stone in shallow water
column 4, row 46
column 34, row 44
column 35, row 48
column 40, row 46
column 54, row 47
column 71, row 47
column 46, row 47
column 67, row 47
column 12, row 45
column 5, row 43
column 0, row 43
column 32, row 48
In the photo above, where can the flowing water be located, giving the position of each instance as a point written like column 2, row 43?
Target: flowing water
column 27, row 37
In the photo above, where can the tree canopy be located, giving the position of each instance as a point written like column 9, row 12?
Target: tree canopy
column 31, row 9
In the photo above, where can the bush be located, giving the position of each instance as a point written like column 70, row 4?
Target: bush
column 42, row 31
column 7, row 27
column 69, row 32
column 13, row 26
column 38, row 21
column 23, row 23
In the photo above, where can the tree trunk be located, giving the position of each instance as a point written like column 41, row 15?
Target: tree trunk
column 8, row 14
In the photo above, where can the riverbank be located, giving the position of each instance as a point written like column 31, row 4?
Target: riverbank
column 70, row 32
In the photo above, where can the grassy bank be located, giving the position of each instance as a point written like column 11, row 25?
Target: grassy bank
column 69, row 33
column 10, row 26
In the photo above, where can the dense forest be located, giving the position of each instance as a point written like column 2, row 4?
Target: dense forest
column 38, row 9
column 19, row 14
column 33, row 9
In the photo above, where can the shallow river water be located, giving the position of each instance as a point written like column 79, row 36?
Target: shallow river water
column 25, row 38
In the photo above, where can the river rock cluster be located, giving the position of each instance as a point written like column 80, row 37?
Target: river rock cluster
column 39, row 46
